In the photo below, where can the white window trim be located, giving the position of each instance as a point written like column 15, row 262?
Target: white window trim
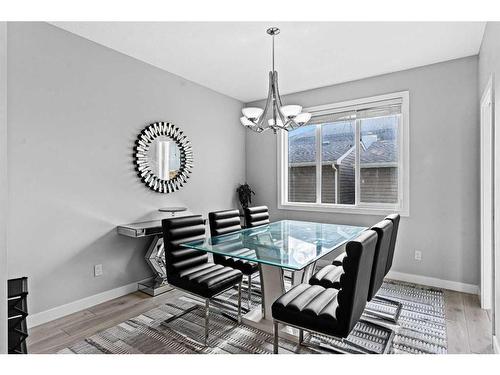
column 403, row 208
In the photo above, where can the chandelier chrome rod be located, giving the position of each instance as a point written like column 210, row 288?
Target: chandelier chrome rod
column 262, row 119
column 273, row 52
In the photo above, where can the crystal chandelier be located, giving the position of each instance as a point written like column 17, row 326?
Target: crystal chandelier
column 275, row 115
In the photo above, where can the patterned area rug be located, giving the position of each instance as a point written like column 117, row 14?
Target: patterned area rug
column 178, row 327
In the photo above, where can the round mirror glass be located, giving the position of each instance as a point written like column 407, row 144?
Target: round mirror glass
column 164, row 158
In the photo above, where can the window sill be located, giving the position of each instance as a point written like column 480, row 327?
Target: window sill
column 360, row 210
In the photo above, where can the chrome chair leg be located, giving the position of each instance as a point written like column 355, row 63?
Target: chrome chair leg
column 249, row 302
column 276, row 336
column 301, row 336
column 207, row 315
column 239, row 302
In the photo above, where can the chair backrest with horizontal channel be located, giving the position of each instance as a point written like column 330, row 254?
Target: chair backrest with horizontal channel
column 222, row 223
column 177, row 231
column 395, row 226
column 355, row 281
column 384, row 234
column 256, row 216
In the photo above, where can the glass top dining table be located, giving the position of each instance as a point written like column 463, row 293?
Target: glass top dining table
column 287, row 244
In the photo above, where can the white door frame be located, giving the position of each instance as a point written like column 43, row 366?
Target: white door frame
column 496, row 223
column 487, row 195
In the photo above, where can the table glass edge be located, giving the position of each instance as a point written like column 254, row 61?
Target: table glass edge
column 269, row 263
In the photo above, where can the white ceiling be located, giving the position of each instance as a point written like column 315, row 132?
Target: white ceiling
column 234, row 58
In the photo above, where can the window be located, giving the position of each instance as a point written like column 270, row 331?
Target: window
column 302, row 165
column 351, row 157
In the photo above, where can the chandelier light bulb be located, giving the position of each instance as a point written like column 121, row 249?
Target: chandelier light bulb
column 246, row 122
column 290, row 111
column 252, row 113
column 302, row 118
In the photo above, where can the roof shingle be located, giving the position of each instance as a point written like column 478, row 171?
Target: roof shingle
column 303, row 149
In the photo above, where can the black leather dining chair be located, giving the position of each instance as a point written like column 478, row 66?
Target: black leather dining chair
column 226, row 222
column 395, row 222
column 329, row 276
column 384, row 233
column 330, row 311
column 256, row 216
column 190, row 270
column 394, row 218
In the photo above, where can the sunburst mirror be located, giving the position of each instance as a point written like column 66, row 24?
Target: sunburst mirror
column 163, row 157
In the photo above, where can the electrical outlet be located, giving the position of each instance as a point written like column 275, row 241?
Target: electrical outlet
column 98, row 270
column 418, row 255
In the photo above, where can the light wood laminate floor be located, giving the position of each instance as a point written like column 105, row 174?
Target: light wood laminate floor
column 468, row 326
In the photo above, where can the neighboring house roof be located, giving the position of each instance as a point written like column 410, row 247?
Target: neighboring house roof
column 381, row 151
column 303, row 149
column 335, row 146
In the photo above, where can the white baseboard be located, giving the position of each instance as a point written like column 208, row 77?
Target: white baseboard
column 81, row 304
column 425, row 280
column 432, row 281
column 84, row 303
column 496, row 345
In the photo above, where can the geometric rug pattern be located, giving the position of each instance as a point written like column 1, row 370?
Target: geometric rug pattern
column 178, row 327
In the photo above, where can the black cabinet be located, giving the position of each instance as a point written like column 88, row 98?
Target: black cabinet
column 17, row 313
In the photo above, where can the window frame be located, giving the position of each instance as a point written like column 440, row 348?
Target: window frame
column 403, row 205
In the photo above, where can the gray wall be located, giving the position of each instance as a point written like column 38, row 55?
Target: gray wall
column 3, row 187
column 489, row 63
column 75, row 109
column 444, row 167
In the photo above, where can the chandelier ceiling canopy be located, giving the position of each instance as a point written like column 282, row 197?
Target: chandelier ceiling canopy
column 275, row 115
